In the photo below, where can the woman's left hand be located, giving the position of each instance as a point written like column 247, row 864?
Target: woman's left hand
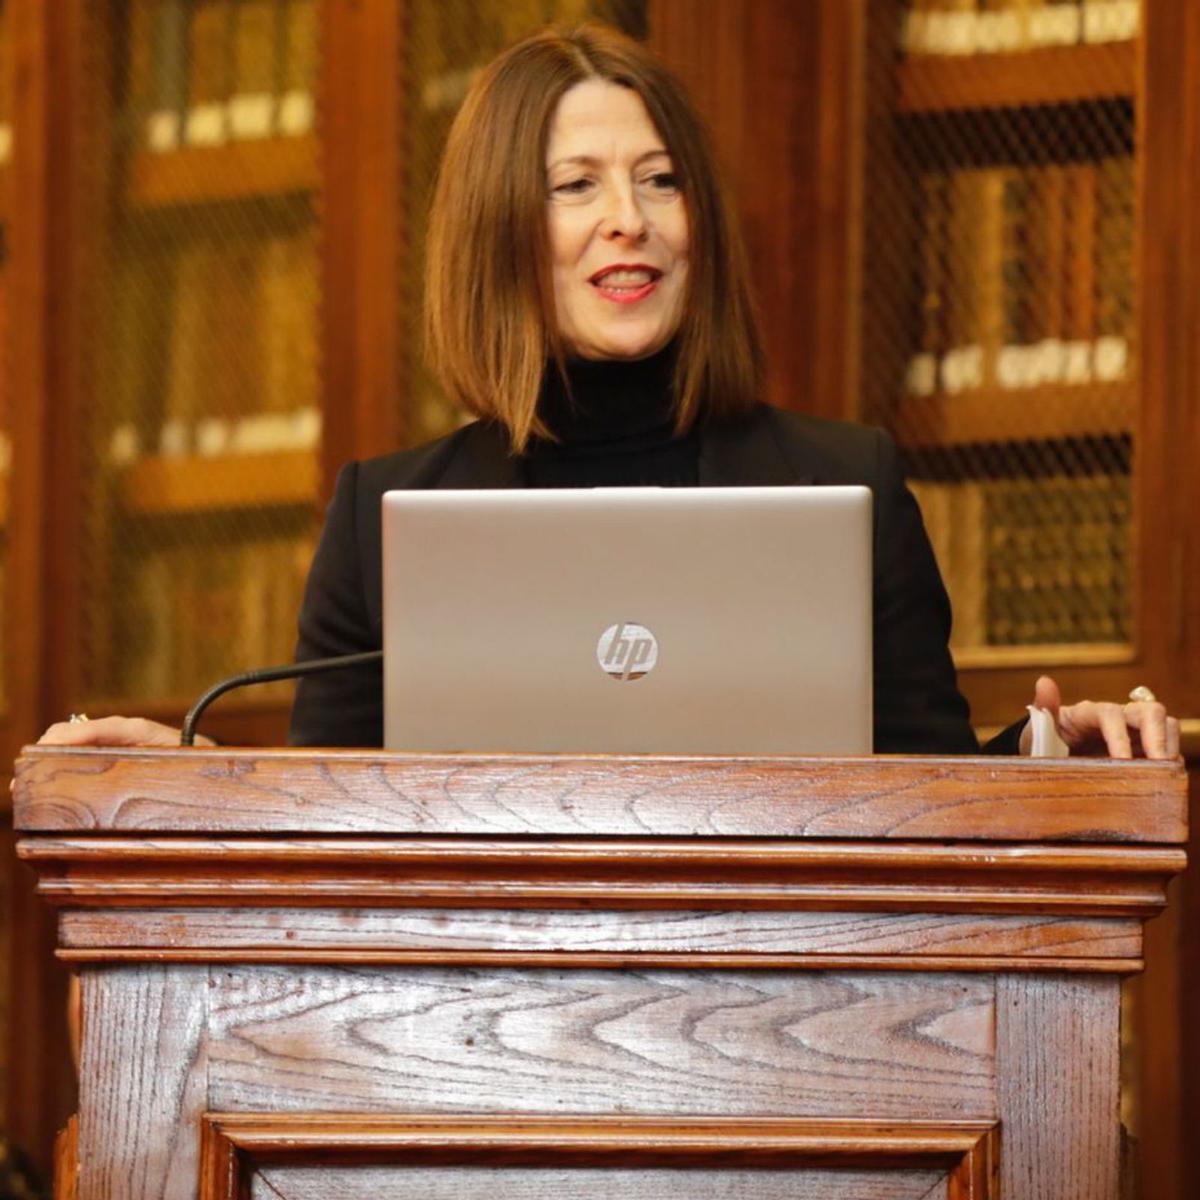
column 1140, row 728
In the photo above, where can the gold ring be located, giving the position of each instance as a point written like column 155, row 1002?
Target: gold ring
column 77, row 718
column 1142, row 695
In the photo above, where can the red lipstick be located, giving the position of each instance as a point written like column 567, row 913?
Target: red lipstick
column 625, row 283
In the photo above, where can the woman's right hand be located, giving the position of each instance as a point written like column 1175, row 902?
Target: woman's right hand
column 114, row 731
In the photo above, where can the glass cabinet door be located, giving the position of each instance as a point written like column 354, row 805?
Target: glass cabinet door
column 1000, row 304
column 201, row 348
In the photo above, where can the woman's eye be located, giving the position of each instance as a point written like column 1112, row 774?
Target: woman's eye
column 572, row 187
column 663, row 181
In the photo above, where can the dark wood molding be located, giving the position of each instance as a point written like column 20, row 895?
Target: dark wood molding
column 708, row 873
column 583, row 960
column 362, row 240
column 40, row 612
column 234, row 1145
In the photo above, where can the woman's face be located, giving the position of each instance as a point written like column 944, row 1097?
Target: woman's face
column 618, row 226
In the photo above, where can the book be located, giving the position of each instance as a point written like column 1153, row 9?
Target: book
column 922, row 376
column 962, row 362
column 232, row 329
column 164, row 125
column 968, row 553
column 141, row 94
column 995, row 248
column 1080, row 270
column 970, row 27
column 1048, row 267
column 287, row 303
column 1055, row 23
column 1110, row 20
column 145, row 662
column 1115, row 203
column 953, row 513
column 210, row 71
column 297, row 103
column 999, row 27
column 189, row 361
column 252, row 104
column 1057, row 560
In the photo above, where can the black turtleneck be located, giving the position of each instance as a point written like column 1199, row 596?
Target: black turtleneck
column 615, row 429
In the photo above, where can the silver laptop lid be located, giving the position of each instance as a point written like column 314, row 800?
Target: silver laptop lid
column 628, row 620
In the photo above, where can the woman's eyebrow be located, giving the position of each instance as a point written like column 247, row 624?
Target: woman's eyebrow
column 589, row 160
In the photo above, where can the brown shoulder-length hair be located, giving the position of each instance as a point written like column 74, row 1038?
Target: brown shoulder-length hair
column 490, row 323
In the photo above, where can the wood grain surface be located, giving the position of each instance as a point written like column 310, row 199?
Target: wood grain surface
column 1058, row 1086
column 464, row 1183
column 143, row 1081
column 61, row 789
column 582, row 931
column 1110, row 880
column 788, row 1043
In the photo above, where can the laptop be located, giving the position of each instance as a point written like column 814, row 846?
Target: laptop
column 731, row 621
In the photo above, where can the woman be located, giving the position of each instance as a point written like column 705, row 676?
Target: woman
column 587, row 299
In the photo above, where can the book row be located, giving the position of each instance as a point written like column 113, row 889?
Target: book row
column 215, row 344
column 1026, row 276
column 968, row 27
column 217, row 437
column 193, row 614
column 1033, row 562
column 204, row 72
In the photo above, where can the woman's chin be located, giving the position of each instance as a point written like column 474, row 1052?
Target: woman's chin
column 627, row 349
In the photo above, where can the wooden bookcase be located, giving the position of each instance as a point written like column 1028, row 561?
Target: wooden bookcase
column 797, row 96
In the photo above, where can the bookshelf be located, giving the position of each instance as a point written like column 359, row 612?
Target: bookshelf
column 1048, row 75
column 1000, row 337
column 164, row 487
column 1043, row 413
column 244, row 170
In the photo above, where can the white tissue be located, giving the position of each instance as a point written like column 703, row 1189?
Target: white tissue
column 1046, row 742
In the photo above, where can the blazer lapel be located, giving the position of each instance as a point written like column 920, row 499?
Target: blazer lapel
column 482, row 460
column 748, row 453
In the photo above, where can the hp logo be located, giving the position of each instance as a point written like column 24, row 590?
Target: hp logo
column 627, row 651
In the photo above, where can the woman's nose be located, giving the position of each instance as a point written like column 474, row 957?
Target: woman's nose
column 624, row 218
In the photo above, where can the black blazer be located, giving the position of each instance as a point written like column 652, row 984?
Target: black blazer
column 918, row 708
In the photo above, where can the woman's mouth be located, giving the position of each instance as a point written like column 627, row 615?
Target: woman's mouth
column 625, row 284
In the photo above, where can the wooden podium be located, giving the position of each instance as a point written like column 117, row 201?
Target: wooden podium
column 349, row 975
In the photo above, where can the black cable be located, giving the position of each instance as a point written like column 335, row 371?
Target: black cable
column 312, row 666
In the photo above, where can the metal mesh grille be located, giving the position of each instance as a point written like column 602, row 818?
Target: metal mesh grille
column 201, row 340
column 999, row 339
column 445, row 46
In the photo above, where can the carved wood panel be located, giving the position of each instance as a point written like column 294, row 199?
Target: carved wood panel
column 165, row 1043
column 476, row 1040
